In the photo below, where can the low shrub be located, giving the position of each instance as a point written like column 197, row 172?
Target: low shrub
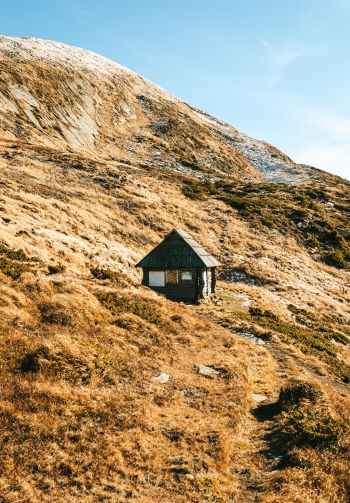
column 297, row 310
column 294, row 392
column 264, row 335
column 127, row 303
column 198, row 189
column 336, row 239
column 335, row 258
column 308, row 427
column 262, row 313
column 107, row 274
column 56, row 269
column 312, row 242
column 18, row 255
column 53, row 314
column 14, row 263
column 298, row 214
column 61, row 365
column 29, row 363
column 13, row 269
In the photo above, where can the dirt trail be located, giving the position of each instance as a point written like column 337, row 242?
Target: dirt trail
column 287, row 359
column 271, row 364
column 260, row 458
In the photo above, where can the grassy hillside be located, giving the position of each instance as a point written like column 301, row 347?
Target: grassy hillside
column 82, row 344
column 56, row 95
column 103, row 393
column 316, row 214
column 82, row 414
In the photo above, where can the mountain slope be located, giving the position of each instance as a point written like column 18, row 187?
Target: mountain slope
column 74, row 98
column 97, row 165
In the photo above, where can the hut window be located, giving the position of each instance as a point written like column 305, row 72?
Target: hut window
column 186, row 276
column 156, row 278
column 172, row 277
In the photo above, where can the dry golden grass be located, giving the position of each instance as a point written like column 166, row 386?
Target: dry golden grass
column 82, row 417
column 89, row 422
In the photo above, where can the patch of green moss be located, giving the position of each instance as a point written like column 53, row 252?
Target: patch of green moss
column 314, row 339
column 119, row 303
column 14, row 263
column 306, row 426
column 117, row 277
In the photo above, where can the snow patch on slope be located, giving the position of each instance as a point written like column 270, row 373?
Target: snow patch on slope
column 58, row 54
column 29, row 48
column 274, row 169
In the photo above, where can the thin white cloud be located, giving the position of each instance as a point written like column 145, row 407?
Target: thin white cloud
column 336, row 126
column 332, row 157
column 342, row 3
column 330, row 147
column 279, row 57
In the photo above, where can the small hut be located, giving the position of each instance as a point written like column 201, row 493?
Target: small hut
column 179, row 268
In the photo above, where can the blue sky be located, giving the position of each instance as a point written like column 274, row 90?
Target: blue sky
column 277, row 70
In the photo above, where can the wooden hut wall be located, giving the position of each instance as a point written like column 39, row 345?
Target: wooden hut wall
column 184, row 290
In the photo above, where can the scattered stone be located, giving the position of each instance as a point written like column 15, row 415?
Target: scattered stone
column 206, row 370
column 299, row 225
column 162, row 378
column 257, row 397
column 175, row 436
column 178, row 471
column 252, row 338
column 246, row 301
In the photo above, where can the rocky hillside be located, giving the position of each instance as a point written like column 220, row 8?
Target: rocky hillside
column 70, row 98
column 97, row 164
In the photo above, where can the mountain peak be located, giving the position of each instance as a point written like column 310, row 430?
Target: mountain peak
column 60, row 95
column 31, row 49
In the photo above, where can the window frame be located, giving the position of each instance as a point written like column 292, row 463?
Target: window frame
column 151, row 283
column 187, row 279
column 176, row 271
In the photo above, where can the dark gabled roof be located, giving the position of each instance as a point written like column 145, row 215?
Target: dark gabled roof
column 178, row 249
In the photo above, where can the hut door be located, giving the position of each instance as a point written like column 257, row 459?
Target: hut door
column 188, row 279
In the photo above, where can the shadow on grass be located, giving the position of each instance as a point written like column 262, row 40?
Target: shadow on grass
column 267, row 412
column 275, row 449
